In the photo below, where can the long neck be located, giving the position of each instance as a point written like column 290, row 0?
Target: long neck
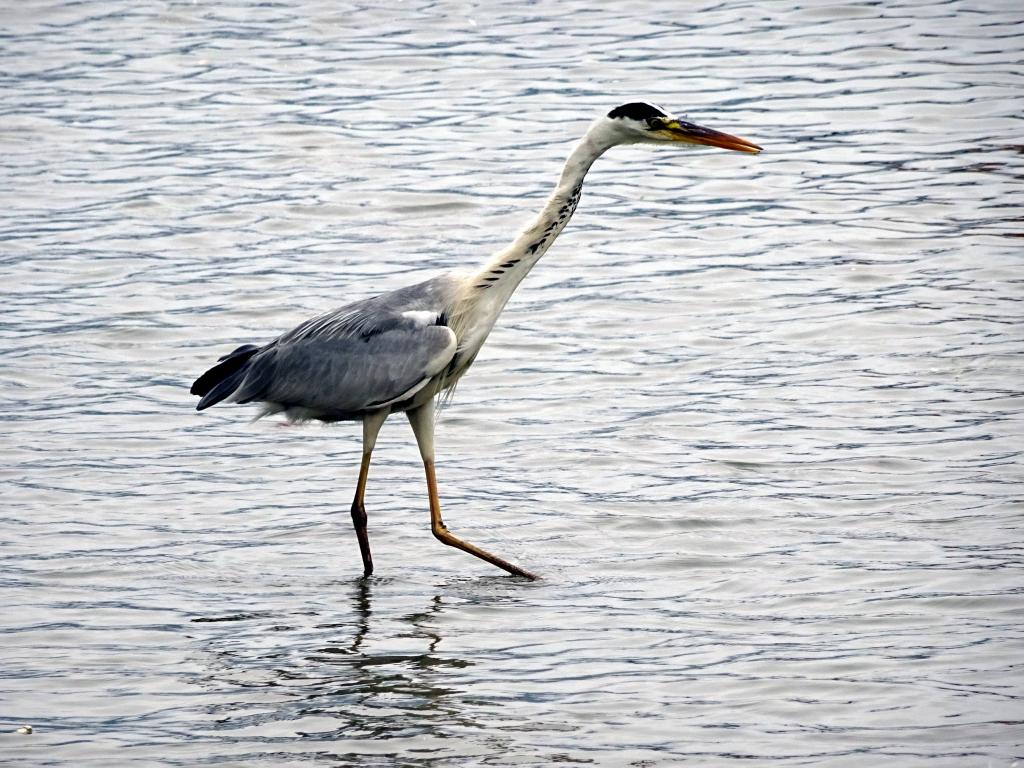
column 500, row 276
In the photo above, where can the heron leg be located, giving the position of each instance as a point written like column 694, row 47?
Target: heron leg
column 422, row 420
column 371, row 426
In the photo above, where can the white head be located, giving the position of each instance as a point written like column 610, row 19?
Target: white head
column 640, row 122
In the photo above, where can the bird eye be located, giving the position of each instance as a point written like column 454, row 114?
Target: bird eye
column 655, row 123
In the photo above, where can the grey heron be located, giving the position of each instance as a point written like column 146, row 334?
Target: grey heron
column 398, row 351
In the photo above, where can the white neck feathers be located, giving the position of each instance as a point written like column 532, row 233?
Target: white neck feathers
column 505, row 270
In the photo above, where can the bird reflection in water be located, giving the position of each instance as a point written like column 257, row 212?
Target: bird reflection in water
column 346, row 680
column 369, row 686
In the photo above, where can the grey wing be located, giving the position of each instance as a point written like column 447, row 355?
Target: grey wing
column 368, row 358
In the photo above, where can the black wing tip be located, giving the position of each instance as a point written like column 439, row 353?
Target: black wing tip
column 222, row 391
column 246, row 349
column 222, row 379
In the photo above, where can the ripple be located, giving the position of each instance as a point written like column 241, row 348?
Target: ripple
column 756, row 420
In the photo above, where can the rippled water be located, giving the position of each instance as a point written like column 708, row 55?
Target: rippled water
column 757, row 420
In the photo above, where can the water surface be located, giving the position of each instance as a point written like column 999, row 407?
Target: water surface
column 757, row 420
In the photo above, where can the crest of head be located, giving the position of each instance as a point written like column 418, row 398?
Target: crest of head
column 640, row 111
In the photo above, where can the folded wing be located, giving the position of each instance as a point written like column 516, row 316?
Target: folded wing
column 349, row 363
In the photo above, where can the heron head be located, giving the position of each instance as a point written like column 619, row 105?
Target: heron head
column 640, row 122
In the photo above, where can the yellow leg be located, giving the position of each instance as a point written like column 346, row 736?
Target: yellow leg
column 445, row 536
column 371, row 426
column 359, row 516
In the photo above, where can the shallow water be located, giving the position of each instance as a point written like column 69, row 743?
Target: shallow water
column 757, row 420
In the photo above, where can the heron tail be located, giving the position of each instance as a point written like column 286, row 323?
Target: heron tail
column 223, row 379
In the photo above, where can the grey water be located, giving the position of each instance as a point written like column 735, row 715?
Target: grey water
column 757, row 420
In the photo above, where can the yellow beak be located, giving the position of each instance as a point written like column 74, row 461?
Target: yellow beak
column 677, row 130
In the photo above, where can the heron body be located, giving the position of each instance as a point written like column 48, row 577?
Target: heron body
column 398, row 351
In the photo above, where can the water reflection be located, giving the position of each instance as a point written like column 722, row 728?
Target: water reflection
column 360, row 676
